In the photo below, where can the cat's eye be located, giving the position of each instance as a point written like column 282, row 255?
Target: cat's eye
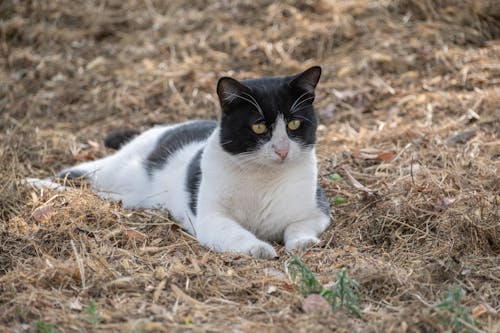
column 293, row 124
column 259, row 128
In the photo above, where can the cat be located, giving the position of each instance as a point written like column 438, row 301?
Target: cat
column 235, row 184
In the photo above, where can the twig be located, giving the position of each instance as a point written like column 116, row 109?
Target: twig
column 411, row 227
column 354, row 182
column 79, row 261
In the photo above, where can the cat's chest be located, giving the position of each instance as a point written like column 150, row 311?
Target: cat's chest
column 266, row 206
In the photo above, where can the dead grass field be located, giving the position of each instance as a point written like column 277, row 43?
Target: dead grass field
column 410, row 119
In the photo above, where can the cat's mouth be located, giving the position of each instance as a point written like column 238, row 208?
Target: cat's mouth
column 280, row 161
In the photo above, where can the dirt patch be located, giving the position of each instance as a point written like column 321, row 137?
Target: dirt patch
column 408, row 149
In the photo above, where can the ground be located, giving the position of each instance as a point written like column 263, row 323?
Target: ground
column 408, row 154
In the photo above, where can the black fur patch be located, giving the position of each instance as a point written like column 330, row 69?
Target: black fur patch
column 174, row 139
column 193, row 180
column 117, row 138
column 71, row 174
column 73, row 177
column 322, row 201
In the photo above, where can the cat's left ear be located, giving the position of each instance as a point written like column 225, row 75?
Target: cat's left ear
column 307, row 80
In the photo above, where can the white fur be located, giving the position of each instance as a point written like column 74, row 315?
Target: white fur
column 243, row 201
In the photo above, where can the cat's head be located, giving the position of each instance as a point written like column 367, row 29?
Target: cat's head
column 271, row 120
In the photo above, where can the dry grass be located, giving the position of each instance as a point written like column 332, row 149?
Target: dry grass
column 410, row 109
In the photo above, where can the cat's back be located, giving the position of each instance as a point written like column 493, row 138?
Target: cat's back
column 150, row 170
column 174, row 139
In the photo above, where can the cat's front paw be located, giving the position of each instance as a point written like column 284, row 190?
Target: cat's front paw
column 301, row 244
column 262, row 250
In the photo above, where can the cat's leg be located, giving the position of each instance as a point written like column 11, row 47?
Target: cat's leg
column 223, row 234
column 304, row 234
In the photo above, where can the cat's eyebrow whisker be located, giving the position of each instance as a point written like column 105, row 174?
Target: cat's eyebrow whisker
column 301, row 102
column 303, row 107
column 297, row 100
column 304, row 118
column 256, row 103
column 249, row 101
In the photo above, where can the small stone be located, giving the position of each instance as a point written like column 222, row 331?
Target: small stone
column 314, row 303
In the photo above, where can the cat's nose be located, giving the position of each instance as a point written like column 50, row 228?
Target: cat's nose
column 281, row 153
column 281, row 148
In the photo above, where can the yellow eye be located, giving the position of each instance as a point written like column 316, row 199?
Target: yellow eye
column 259, row 128
column 294, row 124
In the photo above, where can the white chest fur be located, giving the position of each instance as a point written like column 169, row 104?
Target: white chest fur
column 262, row 199
column 266, row 205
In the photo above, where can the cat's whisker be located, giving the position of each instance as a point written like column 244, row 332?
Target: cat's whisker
column 226, row 142
column 249, row 101
column 256, row 103
column 303, row 107
column 302, row 102
column 297, row 100
column 304, row 118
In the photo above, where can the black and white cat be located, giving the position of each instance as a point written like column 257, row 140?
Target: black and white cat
column 233, row 184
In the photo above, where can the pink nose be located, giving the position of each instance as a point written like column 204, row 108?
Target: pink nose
column 281, row 152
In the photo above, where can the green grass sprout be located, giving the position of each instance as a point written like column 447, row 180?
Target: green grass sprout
column 43, row 327
column 302, row 277
column 92, row 316
column 458, row 315
column 338, row 201
column 335, row 177
column 343, row 294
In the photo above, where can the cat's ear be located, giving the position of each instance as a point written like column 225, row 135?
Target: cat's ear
column 307, row 80
column 228, row 90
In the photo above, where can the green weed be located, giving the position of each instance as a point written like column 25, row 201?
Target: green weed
column 302, row 277
column 43, row 327
column 92, row 316
column 335, row 176
column 337, row 201
column 458, row 315
column 343, row 294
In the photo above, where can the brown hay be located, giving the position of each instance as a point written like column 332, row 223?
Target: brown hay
column 409, row 118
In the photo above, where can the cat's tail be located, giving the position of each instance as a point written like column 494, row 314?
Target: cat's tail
column 117, row 138
column 72, row 176
column 44, row 183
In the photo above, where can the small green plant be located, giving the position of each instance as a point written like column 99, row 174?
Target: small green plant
column 458, row 315
column 337, row 201
column 92, row 314
column 21, row 313
column 302, row 277
column 335, row 176
column 342, row 294
column 43, row 327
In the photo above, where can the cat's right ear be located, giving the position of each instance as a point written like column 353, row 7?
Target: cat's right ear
column 228, row 90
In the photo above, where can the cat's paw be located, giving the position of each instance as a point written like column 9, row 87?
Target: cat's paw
column 262, row 250
column 301, row 244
